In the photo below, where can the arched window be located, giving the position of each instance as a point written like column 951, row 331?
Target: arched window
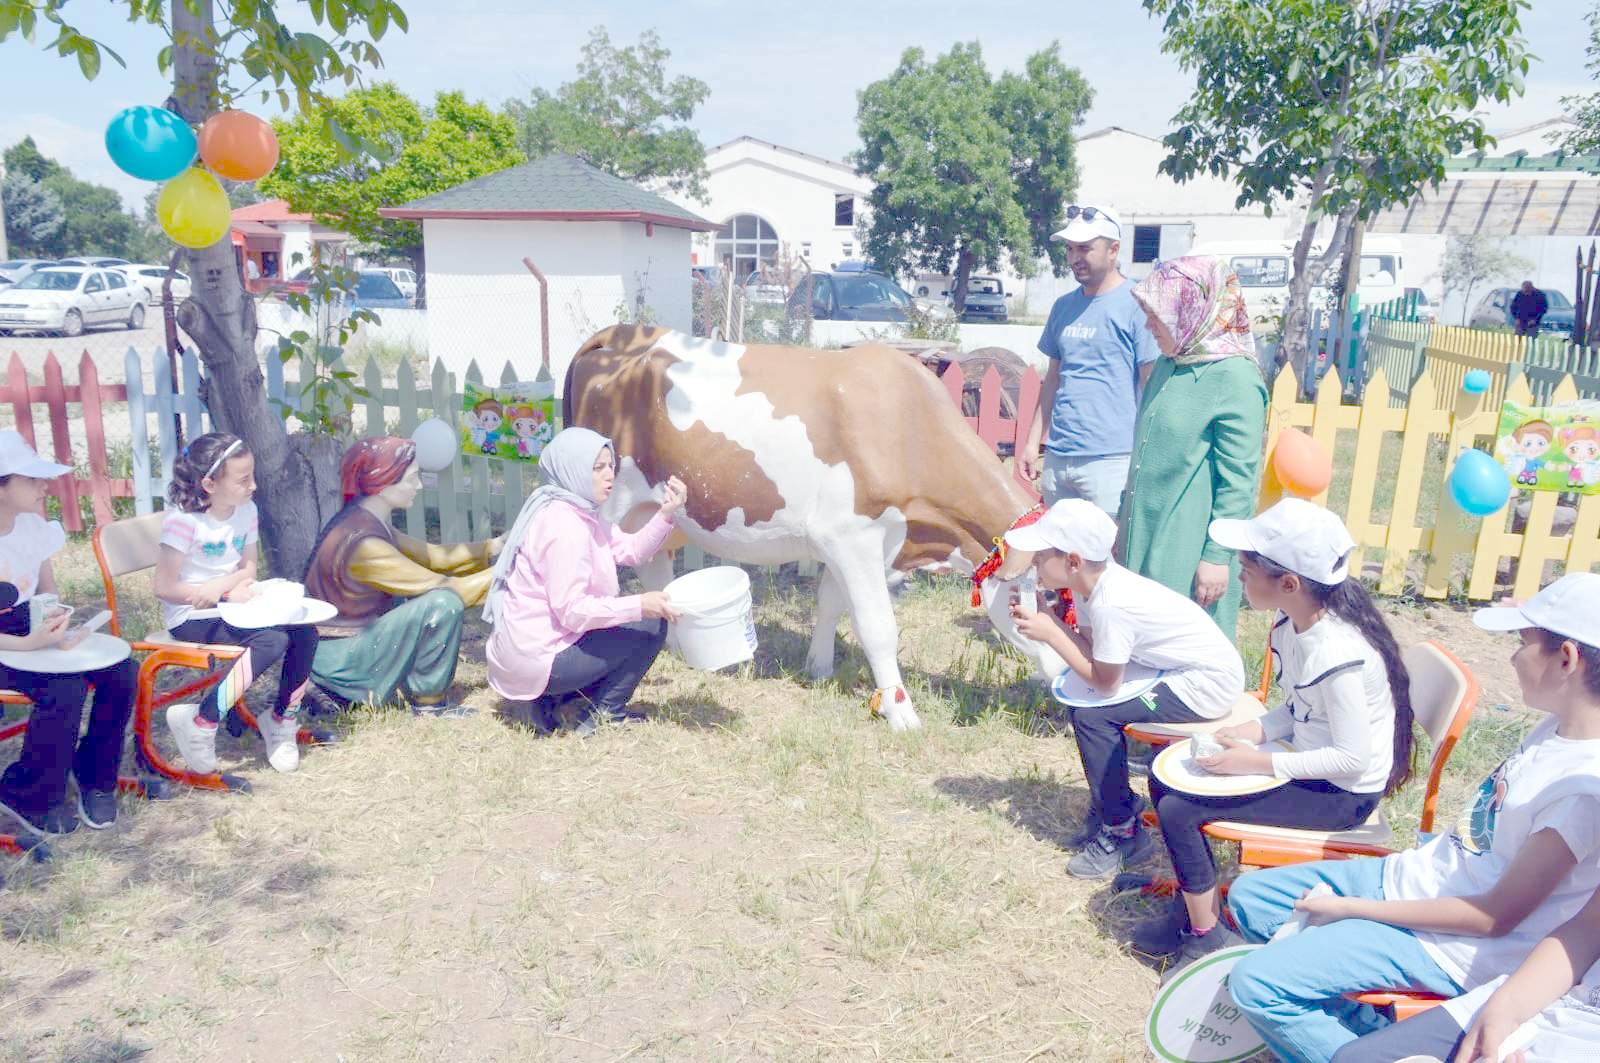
column 746, row 243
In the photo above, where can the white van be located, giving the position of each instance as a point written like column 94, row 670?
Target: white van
column 1263, row 268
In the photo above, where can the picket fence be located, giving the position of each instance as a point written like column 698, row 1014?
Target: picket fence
column 1451, row 352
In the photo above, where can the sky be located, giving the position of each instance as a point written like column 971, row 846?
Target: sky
column 784, row 73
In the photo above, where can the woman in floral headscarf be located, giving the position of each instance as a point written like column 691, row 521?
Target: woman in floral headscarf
column 1197, row 442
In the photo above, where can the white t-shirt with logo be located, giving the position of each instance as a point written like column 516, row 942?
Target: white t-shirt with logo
column 1550, row 783
column 210, row 548
column 1135, row 619
column 1565, row 1031
column 31, row 542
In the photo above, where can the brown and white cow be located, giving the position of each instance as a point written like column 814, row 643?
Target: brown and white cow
column 857, row 459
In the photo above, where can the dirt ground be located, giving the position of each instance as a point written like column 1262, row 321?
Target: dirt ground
column 759, row 872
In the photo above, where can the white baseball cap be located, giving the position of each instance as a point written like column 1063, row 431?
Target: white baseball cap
column 1300, row 536
column 19, row 459
column 1073, row 526
column 1570, row 607
column 1089, row 222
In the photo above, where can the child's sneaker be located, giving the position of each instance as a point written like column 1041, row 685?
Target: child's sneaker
column 279, row 734
column 1110, row 853
column 196, row 738
column 97, row 808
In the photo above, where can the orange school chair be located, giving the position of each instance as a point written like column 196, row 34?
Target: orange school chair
column 133, row 545
column 1251, row 704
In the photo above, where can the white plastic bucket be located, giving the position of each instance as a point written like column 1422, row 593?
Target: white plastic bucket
column 718, row 627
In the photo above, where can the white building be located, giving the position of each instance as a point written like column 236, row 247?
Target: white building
column 770, row 201
column 276, row 242
column 601, row 242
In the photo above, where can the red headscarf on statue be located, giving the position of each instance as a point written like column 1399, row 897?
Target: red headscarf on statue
column 374, row 463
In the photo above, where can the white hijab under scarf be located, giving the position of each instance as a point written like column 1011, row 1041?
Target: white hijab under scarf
column 567, row 467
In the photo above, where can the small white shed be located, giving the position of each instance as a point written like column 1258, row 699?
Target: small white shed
column 601, row 242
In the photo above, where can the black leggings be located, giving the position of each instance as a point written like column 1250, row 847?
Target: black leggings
column 606, row 665
column 37, row 781
column 295, row 645
column 1310, row 804
column 1104, row 748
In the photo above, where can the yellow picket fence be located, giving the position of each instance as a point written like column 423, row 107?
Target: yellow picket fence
column 1422, row 534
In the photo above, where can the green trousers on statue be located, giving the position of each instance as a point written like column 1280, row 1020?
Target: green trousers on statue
column 411, row 649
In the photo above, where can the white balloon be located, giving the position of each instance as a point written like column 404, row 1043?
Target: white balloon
column 436, row 444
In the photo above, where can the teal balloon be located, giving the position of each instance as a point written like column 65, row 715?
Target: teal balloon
column 1477, row 381
column 1479, row 484
column 151, row 143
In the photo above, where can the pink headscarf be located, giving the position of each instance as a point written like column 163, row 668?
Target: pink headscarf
column 1198, row 299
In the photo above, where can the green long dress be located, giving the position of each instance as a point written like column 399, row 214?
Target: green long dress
column 1196, row 458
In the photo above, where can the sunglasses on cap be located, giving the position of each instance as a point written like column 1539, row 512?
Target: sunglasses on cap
column 1089, row 214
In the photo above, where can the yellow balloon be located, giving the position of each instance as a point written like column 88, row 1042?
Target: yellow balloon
column 193, row 209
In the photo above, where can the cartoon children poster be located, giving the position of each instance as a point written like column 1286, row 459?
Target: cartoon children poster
column 513, row 422
column 1551, row 448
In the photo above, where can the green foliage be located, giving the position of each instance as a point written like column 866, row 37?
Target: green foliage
column 621, row 114
column 1344, row 103
column 1584, row 109
column 57, row 214
column 968, row 170
column 1472, row 259
column 328, row 389
column 405, row 152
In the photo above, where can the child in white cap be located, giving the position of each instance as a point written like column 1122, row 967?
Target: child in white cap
column 1467, row 906
column 1346, row 713
column 33, row 788
column 1123, row 619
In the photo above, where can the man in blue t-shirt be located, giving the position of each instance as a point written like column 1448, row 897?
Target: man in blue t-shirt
column 1100, row 353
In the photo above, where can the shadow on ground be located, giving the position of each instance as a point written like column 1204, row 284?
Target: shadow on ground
column 1046, row 808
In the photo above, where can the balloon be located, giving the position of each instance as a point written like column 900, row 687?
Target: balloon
column 1302, row 466
column 238, row 146
column 436, row 444
column 151, row 143
column 1479, row 484
column 193, row 209
column 1476, row 382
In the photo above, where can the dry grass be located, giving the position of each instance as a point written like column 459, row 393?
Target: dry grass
column 758, row 873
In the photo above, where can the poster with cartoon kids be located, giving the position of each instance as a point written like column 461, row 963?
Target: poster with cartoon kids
column 1551, row 448
column 512, row 422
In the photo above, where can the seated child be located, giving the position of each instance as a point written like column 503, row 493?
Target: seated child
column 1123, row 618
column 208, row 554
column 33, row 789
column 1347, row 713
column 1464, row 907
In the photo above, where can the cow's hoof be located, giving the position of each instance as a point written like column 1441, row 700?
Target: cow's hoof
column 905, row 720
column 819, row 669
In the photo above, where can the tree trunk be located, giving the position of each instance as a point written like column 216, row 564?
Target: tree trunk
column 958, row 294
column 1297, row 308
column 221, row 317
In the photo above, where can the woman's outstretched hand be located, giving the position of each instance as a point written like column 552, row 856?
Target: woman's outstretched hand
column 675, row 495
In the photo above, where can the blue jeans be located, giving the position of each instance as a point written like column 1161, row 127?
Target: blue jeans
column 1100, row 479
column 1290, row 991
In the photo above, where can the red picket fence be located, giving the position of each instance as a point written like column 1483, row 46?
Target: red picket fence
column 992, row 426
column 56, row 395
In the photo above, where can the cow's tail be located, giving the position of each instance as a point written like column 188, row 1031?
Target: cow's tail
column 619, row 337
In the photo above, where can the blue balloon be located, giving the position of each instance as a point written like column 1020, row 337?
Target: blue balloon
column 1477, row 381
column 151, row 143
column 1479, row 484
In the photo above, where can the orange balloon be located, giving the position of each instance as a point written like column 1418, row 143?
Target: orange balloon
column 238, row 146
column 1301, row 465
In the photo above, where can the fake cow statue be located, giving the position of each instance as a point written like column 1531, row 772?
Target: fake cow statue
column 856, row 459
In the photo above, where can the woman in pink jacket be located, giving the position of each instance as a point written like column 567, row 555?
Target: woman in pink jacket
column 561, row 629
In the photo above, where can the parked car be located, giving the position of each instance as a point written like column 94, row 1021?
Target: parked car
column 1426, row 310
column 1494, row 311
column 403, row 278
column 65, row 300
column 855, row 296
column 17, row 269
column 986, row 300
column 94, row 261
column 375, row 291
column 150, row 278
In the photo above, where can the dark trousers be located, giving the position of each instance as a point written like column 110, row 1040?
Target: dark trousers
column 1432, row 1033
column 605, row 666
column 295, row 646
column 1310, row 804
column 1104, row 748
column 37, row 781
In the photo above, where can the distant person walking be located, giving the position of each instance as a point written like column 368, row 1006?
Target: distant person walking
column 1100, row 355
column 1528, row 308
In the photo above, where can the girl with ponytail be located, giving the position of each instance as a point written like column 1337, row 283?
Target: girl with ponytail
column 1347, row 714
